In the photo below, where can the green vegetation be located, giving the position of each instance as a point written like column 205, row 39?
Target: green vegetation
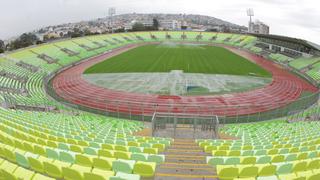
column 25, row 40
column 2, row 46
column 189, row 58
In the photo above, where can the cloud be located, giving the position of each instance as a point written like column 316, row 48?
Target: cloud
column 283, row 16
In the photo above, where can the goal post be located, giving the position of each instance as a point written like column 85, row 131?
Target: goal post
column 183, row 125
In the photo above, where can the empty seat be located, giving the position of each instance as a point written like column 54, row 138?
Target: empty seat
column 121, row 176
column 103, row 163
column 248, row 171
column 121, row 165
column 144, row 169
column 157, row 158
column 227, row 172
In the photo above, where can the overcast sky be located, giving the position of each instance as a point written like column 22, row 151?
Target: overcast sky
column 296, row 18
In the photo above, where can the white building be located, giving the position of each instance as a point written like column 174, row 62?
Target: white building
column 258, row 27
column 147, row 23
column 169, row 24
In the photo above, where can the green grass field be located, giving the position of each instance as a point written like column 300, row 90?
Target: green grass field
column 189, row 58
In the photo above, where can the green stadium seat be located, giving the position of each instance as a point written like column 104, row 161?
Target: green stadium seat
column 90, row 151
column 36, row 165
column 157, row 158
column 234, row 153
column 284, row 168
column 103, row 163
column 8, row 152
column 260, row 152
column 232, row 161
column 83, row 160
column 121, row 148
column 248, row 171
column 41, row 177
column 144, row 169
column 22, row 173
column 39, row 150
column 122, row 155
column 99, row 172
column 121, row 176
column 22, row 160
column 299, row 166
column 66, row 157
column 263, row 160
column 107, row 146
column 105, row 153
column 287, row 176
column 53, row 169
column 93, row 176
column 134, row 149
column 139, row 157
column 291, row 157
column 267, row 178
column 150, row 150
column 314, row 177
column 52, row 154
column 125, row 166
column 313, row 164
column 160, row 147
column 248, row 160
column 8, row 175
column 267, row 170
column 72, row 174
column 227, row 172
column 277, row 158
column 215, row 161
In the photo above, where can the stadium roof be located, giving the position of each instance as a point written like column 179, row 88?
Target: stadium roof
column 289, row 39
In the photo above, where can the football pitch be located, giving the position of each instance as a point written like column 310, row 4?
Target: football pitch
column 190, row 58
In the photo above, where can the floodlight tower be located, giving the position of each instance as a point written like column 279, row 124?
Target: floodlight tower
column 250, row 13
column 111, row 13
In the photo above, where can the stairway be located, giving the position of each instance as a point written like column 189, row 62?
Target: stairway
column 185, row 160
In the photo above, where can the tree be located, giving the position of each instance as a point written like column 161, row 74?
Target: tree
column 77, row 33
column 87, row 32
column 25, row 40
column 2, row 46
column 119, row 30
column 138, row 27
column 46, row 37
column 155, row 24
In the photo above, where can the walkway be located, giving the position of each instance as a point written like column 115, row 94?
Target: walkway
column 185, row 160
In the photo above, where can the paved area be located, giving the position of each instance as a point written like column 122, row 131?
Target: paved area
column 185, row 160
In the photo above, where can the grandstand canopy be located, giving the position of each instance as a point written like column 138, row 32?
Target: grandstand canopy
column 292, row 41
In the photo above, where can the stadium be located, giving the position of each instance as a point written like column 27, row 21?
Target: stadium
column 161, row 105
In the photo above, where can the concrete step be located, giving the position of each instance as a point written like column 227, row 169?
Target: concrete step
column 184, row 142
column 189, row 171
column 186, row 153
column 177, row 160
column 195, row 156
column 165, row 176
column 186, row 164
column 170, row 150
column 195, row 147
column 185, row 160
column 202, row 158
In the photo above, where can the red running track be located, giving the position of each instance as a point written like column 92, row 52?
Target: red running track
column 284, row 89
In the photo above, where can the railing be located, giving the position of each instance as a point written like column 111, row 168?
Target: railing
column 227, row 114
column 180, row 125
